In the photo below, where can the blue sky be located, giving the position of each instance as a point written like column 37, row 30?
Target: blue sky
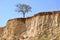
column 8, row 7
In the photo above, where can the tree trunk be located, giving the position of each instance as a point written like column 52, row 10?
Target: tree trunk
column 23, row 15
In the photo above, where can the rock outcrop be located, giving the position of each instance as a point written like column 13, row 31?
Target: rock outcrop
column 42, row 26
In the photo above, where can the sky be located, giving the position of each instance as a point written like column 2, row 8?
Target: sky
column 8, row 7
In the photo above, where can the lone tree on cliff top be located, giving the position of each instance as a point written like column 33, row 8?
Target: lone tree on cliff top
column 23, row 8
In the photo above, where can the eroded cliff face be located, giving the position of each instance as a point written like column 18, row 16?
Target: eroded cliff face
column 42, row 26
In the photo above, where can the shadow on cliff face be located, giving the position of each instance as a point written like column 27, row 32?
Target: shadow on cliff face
column 21, row 27
column 16, row 26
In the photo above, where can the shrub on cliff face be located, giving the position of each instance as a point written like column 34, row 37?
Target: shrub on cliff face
column 44, row 38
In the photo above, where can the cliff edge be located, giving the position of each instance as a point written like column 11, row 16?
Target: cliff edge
column 42, row 26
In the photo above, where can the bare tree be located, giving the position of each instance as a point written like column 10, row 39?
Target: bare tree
column 23, row 8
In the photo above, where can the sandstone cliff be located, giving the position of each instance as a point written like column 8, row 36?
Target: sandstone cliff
column 42, row 26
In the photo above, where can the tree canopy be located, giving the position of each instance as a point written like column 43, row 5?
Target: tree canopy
column 23, row 8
